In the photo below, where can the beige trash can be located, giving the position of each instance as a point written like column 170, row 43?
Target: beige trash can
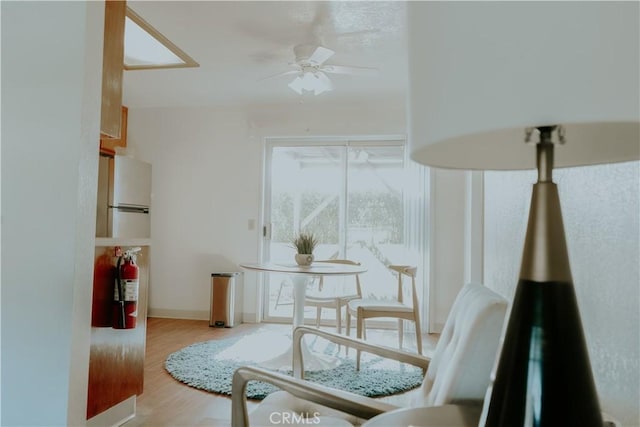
column 225, row 309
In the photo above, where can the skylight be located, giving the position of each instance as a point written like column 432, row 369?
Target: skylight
column 145, row 48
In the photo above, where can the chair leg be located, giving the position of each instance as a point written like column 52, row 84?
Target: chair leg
column 400, row 333
column 279, row 294
column 348, row 327
column 359, row 330
column 338, row 320
column 418, row 337
column 318, row 313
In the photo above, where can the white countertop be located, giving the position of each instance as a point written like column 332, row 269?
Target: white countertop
column 122, row 241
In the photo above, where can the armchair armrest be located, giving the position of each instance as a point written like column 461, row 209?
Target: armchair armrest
column 359, row 406
column 388, row 352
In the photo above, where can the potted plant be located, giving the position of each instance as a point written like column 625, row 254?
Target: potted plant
column 304, row 244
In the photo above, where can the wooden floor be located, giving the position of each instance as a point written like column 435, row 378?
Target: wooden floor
column 167, row 402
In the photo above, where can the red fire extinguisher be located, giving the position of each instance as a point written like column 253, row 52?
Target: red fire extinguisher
column 125, row 295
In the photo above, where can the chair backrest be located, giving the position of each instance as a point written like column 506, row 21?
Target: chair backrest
column 410, row 272
column 341, row 261
column 461, row 365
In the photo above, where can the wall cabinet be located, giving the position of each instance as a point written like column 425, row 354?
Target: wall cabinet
column 108, row 145
column 112, row 68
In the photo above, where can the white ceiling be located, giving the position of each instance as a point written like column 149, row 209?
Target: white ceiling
column 237, row 43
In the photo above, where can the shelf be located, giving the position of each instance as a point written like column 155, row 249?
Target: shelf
column 122, row 241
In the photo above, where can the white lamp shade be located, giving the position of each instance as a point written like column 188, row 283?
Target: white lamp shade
column 482, row 72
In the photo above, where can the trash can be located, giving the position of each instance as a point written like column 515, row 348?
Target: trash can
column 225, row 309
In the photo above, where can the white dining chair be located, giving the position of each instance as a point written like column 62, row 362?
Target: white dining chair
column 363, row 309
column 333, row 299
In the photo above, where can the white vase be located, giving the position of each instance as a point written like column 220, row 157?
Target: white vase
column 304, row 259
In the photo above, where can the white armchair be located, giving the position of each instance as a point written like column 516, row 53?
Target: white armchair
column 458, row 372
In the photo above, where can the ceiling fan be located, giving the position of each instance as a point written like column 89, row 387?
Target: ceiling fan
column 311, row 69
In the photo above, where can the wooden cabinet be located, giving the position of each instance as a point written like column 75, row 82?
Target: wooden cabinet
column 108, row 145
column 116, row 361
column 112, row 68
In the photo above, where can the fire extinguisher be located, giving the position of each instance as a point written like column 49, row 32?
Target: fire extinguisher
column 125, row 295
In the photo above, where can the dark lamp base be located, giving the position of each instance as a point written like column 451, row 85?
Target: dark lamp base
column 544, row 376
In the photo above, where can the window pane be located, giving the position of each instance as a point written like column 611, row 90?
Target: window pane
column 307, row 185
column 375, row 233
column 306, row 193
column 358, row 199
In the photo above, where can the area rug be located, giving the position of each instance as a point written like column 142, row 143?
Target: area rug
column 210, row 366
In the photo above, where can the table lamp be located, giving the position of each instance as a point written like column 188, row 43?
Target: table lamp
column 520, row 85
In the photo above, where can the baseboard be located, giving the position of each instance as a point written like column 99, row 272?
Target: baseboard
column 116, row 415
column 436, row 328
column 250, row 318
column 178, row 314
column 194, row 315
column 253, row 318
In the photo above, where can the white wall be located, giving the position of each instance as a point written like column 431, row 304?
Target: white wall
column 446, row 243
column 51, row 83
column 601, row 215
column 207, row 185
column 205, row 188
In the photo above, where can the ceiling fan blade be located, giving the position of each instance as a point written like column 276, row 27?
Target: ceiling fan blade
column 320, row 55
column 284, row 73
column 344, row 69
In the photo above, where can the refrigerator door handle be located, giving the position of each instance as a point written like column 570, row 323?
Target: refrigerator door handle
column 132, row 209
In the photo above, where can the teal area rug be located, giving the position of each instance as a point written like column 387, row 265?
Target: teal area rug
column 210, row 366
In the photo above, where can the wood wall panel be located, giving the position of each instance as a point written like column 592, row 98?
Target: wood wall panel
column 107, row 144
column 112, row 67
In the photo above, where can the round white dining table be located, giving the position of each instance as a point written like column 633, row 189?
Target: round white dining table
column 300, row 276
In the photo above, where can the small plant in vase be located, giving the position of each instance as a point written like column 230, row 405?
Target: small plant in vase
column 304, row 244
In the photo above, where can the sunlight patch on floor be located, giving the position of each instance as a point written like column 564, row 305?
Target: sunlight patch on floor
column 257, row 347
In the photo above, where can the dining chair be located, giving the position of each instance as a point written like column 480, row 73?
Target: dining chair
column 329, row 298
column 283, row 284
column 458, row 373
column 363, row 309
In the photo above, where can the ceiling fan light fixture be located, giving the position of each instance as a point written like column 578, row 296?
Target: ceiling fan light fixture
column 311, row 81
column 296, row 85
column 319, row 90
column 325, row 81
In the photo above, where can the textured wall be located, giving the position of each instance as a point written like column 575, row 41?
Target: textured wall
column 601, row 216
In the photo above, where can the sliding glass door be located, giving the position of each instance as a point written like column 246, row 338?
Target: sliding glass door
column 359, row 197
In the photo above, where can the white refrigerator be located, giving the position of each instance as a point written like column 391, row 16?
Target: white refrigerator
column 124, row 198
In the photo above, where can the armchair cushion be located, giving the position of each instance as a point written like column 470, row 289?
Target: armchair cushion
column 461, row 365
